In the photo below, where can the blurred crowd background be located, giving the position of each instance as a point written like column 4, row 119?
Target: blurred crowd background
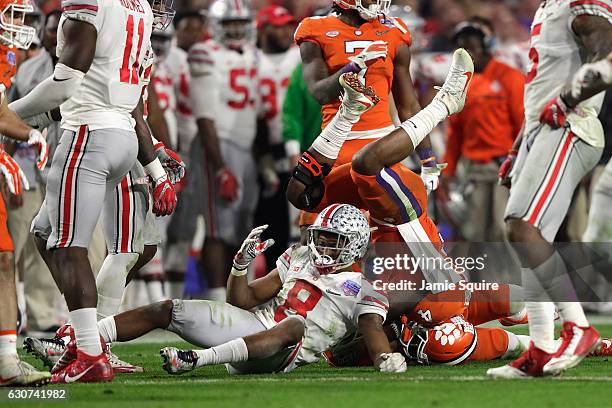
column 467, row 207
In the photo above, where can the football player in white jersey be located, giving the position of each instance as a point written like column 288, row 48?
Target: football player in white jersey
column 224, row 96
column 96, row 82
column 311, row 301
column 277, row 61
column 13, row 34
column 562, row 141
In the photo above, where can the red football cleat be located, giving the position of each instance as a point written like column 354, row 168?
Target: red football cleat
column 530, row 364
column 69, row 355
column 603, row 350
column 577, row 342
column 85, row 368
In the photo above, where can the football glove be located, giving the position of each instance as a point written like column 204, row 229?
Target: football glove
column 39, row 140
column 228, row 185
column 555, row 113
column 391, row 363
column 164, row 195
column 251, row 248
column 431, row 176
column 590, row 74
column 374, row 52
column 14, row 176
column 506, row 168
column 172, row 163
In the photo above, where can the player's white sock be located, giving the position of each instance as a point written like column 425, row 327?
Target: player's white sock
column 111, row 282
column 86, row 330
column 572, row 312
column 421, row 124
column 175, row 289
column 540, row 310
column 108, row 329
column 331, row 139
column 217, row 294
column 234, row 351
column 8, row 342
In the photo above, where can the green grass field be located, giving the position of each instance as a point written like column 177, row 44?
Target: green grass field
column 588, row 385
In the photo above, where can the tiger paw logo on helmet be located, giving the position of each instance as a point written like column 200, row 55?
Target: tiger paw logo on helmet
column 451, row 332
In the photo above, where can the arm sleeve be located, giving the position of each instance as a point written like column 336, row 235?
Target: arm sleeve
column 454, row 140
column 83, row 10
column 371, row 302
column 601, row 8
column 205, row 92
column 305, row 32
column 293, row 105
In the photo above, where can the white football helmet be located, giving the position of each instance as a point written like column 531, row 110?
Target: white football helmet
column 338, row 238
column 374, row 10
column 13, row 30
column 222, row 13
column 161, row 42
column 163, row 13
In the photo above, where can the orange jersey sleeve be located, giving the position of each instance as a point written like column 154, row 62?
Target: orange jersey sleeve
column 8, row 65
column 339, row 41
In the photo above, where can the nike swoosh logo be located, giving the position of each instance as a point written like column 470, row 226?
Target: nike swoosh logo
column 412, row 123
column 333, row 292
column 469, row 78
column 70, row 379
column 379, row 33
column 60, row 80
column 326, row 139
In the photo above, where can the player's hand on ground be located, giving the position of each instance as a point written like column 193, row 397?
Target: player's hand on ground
column 171, row 161
column 164, row 196
column 555, row 113
column 506, row 168
column 391, row 363
column 251, row 248
column 431, row 176
column 13, row 175
column 39, row 141
column 227, row 184
column 373, row 53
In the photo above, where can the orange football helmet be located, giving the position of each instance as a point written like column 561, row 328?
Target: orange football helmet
column 372, row 11
column 13, row 31
column 450, row 342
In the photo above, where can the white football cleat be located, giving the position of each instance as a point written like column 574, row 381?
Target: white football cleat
column 178, row 361
column 357, row 98
column 14, row 372
column 49, row 350
column 119, row 366
column 577, row 343
column 454, row 90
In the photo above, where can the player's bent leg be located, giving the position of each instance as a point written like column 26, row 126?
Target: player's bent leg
column 111, row 281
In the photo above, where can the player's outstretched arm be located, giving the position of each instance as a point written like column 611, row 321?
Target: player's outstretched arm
column 77, row 55
column 371, row 327
column 240, row 292
column 12, row 126
column 324, row 87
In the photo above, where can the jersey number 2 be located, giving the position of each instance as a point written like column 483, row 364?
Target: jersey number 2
column 296, row 305
column 129, row 72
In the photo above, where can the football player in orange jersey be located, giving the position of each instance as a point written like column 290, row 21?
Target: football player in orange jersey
column 13, row 34
column 360, row 37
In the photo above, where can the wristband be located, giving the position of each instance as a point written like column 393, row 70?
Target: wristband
column 238, row 272
column 155, row 170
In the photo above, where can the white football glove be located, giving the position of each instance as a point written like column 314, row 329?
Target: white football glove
column 431, row 176
column 39, row 140
column 251, row 248
column 14, row 176
column 374, row 52
column 391, row 363
column 592, row 73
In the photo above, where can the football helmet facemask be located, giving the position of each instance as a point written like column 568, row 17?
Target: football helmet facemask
column 13, row 31
column 232, row 22
column 370, row 12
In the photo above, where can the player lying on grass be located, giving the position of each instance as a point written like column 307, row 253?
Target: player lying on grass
column 311, row 301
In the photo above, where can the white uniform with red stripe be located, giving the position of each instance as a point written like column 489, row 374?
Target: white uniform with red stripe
column 163, row 81
column 551, row 162
column 99, row 145
column 274, row 73
column 331, row 304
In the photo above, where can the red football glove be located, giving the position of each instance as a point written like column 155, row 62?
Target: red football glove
column 14, row 176
column 554, row 113
column 228, row 185
column 164, row 197
column 505, row 168
column 172, row 162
